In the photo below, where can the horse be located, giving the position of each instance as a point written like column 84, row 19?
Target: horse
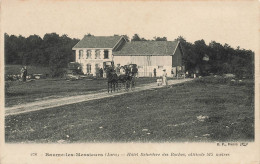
column 124, row 80
column 127, row 78
column 112, row 80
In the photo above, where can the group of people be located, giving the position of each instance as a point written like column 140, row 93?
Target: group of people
column 125, row 70
column 164, row 76
column 23, row 73
column 120, row 70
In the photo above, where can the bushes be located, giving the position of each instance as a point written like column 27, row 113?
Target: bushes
column 212, row 80
column 224, row 80
column 57, row 71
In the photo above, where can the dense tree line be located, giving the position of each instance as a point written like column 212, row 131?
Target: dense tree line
column 55, row 51
column 222, row 58
column 52, row 50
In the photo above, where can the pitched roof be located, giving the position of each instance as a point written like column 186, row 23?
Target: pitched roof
column 141, row 48
column 98, row 42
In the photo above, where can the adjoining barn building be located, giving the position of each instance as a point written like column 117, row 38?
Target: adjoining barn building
column 94, row 52
column 150, row 55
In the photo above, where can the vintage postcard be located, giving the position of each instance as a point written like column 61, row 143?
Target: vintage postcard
column 93, row 81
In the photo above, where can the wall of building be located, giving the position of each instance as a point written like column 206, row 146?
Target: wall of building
column 147, row 64
column 177, row 58
column 95, row 64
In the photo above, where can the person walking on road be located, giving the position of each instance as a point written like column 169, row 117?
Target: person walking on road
column 164, row 78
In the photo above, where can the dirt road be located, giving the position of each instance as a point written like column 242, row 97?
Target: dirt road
column 50, row 103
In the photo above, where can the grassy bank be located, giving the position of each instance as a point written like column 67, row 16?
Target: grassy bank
column 20, row 92
column 196, row 111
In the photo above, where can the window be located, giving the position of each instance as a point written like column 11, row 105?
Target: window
column 97, row 54
column 106, row 54
column 88, row 68
column 88, row 54
column 80, row 54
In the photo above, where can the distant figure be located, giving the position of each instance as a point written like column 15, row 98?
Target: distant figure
column 24, row 73
column 127, row 70
column 187, row 74
column 133, row 73
column 159, row 82
column 122, row 70
column 154, row 72
column 172, row 72
column 101, row 72
column 118, row 69
column 164, row 78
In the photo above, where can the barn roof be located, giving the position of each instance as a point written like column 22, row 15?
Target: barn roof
column 98, row 42
column 142, row 48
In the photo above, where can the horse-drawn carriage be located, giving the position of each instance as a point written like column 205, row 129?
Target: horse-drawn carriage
column 121, row 76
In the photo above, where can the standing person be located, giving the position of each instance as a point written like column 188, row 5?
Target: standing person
column 22, row 72
column 118, row 69
column 187, row 74
column 122, row 70
column 154, row 72
column 101, row 72
column 172, row 72
column 127, row 70
column 133, row 72
column 164, row 78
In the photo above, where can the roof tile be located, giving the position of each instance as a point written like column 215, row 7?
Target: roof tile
column 97, row 42
column 141, row 48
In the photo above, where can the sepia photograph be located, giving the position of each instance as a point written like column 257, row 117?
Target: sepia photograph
column 129, row 72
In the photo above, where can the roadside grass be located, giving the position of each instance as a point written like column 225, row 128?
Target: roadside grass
column 23, row 92
column 190, row 112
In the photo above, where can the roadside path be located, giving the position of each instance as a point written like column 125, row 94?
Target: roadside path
column 51, row 103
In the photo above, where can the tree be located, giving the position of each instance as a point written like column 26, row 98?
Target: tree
column 189, row 57
column 126, row 38
column 160, row 38
column 11, row 49
column 136, row 38
column 89, row 34
column 56, row 52
column 33, row 52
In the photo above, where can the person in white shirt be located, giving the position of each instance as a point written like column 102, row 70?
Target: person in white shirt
column 164, row 78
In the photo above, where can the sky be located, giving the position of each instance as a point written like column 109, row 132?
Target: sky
column 232, row 22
